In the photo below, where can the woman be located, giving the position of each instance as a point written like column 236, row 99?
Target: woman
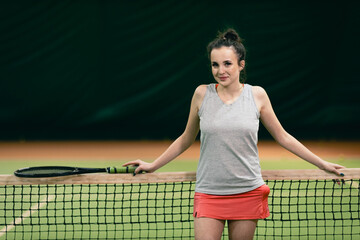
column 229, row 186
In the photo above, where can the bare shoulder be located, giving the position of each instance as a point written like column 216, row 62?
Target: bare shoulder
column 260, row 96
column 201, row 90
column 258, row 92
column 199, row 95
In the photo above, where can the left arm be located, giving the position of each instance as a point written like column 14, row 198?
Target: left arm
column 272, row 124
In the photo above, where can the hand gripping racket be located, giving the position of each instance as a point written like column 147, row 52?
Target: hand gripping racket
column 55, row 171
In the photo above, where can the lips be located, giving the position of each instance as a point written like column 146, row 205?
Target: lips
column 223, row 78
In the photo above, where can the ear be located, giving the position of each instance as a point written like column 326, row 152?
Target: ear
column 242, row 65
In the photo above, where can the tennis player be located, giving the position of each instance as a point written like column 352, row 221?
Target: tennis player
column 229, row 185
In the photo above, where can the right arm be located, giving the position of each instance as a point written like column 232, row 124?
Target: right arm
column 183, row 142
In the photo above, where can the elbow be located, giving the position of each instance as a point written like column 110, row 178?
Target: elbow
column 186, row 141
column 188, row 137
column 283, row 138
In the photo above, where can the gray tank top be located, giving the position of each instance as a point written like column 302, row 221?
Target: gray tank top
column 229, row 160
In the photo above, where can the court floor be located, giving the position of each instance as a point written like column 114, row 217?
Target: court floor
column 152, row 149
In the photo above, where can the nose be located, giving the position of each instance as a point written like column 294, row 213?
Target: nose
column 221, row 70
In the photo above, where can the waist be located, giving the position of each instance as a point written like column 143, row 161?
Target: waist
column 222, row 188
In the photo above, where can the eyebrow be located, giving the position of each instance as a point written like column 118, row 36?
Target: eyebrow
column 223, row 61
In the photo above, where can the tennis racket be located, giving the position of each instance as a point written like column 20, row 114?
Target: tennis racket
column 55, row 171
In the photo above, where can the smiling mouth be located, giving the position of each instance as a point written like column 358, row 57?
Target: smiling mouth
column 223, row 78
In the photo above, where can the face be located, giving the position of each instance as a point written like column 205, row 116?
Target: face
column 225, row 66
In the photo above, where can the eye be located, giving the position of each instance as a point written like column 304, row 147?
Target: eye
column 227, row 63
column 214, row 64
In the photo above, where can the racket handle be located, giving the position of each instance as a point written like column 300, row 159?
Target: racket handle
column 128, row 169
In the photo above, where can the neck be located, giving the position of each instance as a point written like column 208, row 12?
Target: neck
column 232, row 89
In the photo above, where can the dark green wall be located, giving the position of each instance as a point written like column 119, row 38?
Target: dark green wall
column 127, row 69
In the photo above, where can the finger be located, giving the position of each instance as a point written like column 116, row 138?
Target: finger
column 338, row 182
column 339, row 166
column 138, row 170
column 134, row 163
column 337, row 172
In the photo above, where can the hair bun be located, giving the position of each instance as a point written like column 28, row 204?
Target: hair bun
column 232, row 35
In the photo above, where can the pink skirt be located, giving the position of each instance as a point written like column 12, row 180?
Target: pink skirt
column 248, row 205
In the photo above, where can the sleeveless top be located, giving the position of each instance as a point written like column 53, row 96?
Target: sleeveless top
column 229, row 160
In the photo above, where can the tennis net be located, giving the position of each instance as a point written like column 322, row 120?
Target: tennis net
column 304, row 204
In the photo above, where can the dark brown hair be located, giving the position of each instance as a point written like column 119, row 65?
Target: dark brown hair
column 229, row 38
